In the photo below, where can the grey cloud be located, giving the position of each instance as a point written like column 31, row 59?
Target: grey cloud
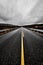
column 21, row 12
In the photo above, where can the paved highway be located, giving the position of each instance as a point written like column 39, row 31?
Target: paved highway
column 33, row 48
column 12, row 46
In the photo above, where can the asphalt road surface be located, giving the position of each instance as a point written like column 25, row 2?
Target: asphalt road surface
column 33, row 48
column 10, row 48
column 10, row 53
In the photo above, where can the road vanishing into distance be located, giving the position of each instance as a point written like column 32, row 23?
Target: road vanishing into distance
column 21, row 47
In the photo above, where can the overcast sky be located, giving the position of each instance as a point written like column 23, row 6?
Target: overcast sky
column 21, row 12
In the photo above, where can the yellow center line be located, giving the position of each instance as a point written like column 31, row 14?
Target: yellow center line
column 22, row 50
